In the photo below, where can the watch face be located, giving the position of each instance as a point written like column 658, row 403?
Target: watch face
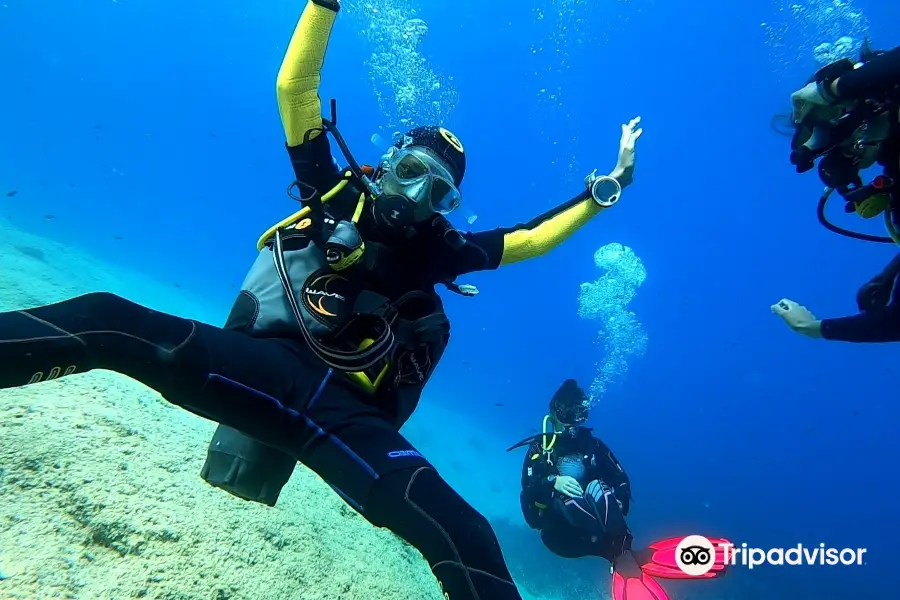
column 605, row 191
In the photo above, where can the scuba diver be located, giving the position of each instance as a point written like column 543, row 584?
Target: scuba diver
column 848, row 119
column 335, row 332
column 576, row 493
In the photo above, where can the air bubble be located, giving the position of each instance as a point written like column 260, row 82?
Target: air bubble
column 605, row 300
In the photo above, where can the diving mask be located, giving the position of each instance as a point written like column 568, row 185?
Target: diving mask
column 570, row 415
column 418, row 176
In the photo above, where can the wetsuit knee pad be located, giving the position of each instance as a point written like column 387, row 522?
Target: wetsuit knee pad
column 246, row 468
column 456, row 540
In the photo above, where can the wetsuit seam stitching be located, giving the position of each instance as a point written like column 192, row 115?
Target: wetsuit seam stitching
column 472, row 570
column 189, row 337
column 48, row 324
column 256, row 308
column 437, row 525
column 78, row 335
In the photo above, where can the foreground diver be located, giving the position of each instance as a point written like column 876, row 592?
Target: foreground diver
column 848, row 119
column 335, row 332
column 576, row 493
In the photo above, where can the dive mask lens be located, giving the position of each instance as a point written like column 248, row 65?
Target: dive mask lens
column 427, row 179
column 409, row 167
column 445, row 198
column 573, row 415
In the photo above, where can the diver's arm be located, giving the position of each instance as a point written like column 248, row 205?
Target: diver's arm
column 878, row 79
column 613, row 474
column 297, row 89
column 881, row 326
column 504, row 246
column 548, row 230
column 537, row 480
column 297, row 85
column 537, row 490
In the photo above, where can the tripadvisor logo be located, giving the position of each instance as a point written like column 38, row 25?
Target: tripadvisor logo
column 695, row 555
column 794, row 556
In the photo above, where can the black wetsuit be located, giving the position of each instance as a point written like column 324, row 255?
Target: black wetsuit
column 593, row 525
column 878, row 79
column 879, row 317
column 276, row 392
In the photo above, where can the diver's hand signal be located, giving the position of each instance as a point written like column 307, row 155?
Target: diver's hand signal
column 568, row 486
column 624, row 171
column 799, row 318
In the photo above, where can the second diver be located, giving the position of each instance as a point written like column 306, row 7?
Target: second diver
column 576, row 493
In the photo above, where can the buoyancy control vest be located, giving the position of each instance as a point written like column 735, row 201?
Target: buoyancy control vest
column 343, row 313
column 360, row 305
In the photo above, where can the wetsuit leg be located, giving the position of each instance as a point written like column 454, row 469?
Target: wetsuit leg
column 564, row 540
column 592, row 525
column 185, row 361
column 615, row 536
column 377, row 471
column 251, row 385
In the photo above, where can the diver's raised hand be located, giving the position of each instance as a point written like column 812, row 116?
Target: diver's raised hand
column 799, row 318
column 568, row 486
column 624, row 171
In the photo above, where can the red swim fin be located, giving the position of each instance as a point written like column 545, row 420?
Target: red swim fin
column 629, row 582
column 643, row 587
column 658, row 560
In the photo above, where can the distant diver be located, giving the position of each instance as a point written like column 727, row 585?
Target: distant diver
column 848, row 119
column 576, row 493
column 336, row 330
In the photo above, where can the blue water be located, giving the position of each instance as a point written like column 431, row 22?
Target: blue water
column 147, row 133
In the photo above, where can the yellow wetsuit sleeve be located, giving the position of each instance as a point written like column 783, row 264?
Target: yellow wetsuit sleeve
column 298, row 80
column 539, row 238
